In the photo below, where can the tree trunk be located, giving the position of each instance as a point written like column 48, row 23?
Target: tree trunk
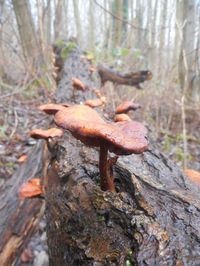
column 138, row 38
column 58, row 20
column 26, row 30
column 47, row 22
column 117, row 22
column 78, row 22
column 125, row 17
column 91, row 25
column 187, row 62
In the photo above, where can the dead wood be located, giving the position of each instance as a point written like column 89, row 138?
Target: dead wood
column 19, row 217
column 130, row 79
column 153, row 219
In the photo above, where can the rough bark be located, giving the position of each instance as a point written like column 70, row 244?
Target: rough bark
column 153, row 219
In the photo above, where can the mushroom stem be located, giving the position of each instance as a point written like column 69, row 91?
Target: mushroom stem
column 106, row 179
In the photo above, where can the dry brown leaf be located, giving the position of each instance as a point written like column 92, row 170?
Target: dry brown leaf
column 31, row 188
column 22, row 158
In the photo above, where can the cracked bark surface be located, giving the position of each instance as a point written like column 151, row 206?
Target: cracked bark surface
column 153, row 219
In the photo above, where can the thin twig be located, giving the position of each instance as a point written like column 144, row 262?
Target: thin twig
column 15, row 126
column 118, row 18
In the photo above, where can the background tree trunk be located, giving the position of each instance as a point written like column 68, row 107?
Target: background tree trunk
column 187, row 62
column 78, row 22
column 58, row 20
column 117, row 10
column 26, row 30
column 91, row 25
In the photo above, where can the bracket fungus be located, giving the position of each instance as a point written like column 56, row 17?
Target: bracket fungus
column 95, row 102
column 78, row 85
column 121, row 138
column 126, row 106
column 49, row 136
column 45, row 134
column 32, row 188
column 121, row 117
column 52, row 108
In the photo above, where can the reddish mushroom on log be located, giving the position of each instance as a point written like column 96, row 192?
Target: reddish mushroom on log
column 126, row 106
column 32, row 188
column 52, row 108
column 193, row 175
column 45, row 134
column 78, row 85
column 122, row 117
column 49, row 136
column 97, row 92
column 122, row 138
column 95, row 102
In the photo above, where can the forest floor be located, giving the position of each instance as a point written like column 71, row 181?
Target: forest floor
column 20, row 115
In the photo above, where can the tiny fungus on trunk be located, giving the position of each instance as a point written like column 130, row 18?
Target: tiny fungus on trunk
column 127, row 106
column 52, row 108
column 78, row 85
column 45, row 134
column 48, row 135
column 121, row 138
column 121, row 117
column 96, row 102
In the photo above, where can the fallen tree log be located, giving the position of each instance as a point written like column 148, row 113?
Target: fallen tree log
column 153, row 219
column 130, row 79
column 19, row 217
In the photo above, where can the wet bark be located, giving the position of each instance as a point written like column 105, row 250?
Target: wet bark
column 153, row 219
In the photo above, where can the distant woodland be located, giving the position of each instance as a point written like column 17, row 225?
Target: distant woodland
column 159, row 35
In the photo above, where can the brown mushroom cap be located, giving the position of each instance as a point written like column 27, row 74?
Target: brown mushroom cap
column 193, row 175
column 45, row 134
column 77, row 84
column 122, row 117
column 52, row 108
column 95, row 102
column 86, row 125
column 126, row 106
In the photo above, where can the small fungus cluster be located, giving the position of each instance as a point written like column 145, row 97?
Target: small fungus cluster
column 86, row 125
column 121, row 137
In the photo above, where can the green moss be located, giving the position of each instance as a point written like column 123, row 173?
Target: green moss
column 67, row 49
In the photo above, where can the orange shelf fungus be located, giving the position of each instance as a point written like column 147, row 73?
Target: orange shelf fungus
column 193, row 175
column 78, row 85
column 52, row 108
column 122, row 117
column 126, row 106
column 95, row 102
column 32, row 188
column 45, row 134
